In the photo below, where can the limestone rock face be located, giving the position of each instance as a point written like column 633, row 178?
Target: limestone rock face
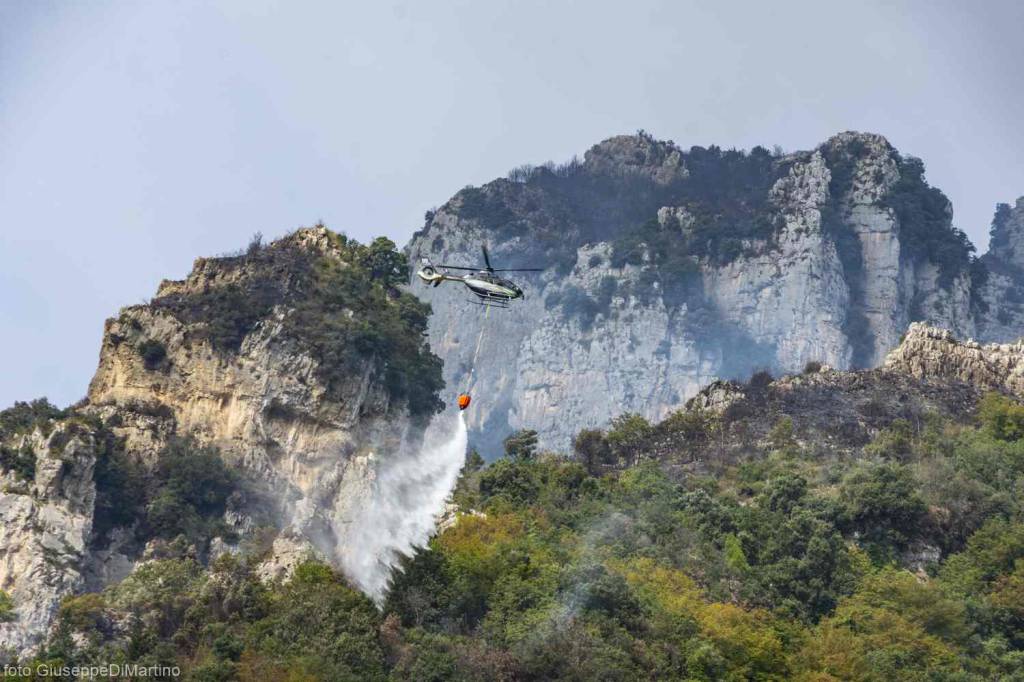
column 668, row 269
column 603, row 382
column 641, row 154
column 287, row 552
column 932, row 353
column 790, row 295
column 306, row 445
column 1002, row 291
column 45, row 526
column 265, row 407
column 1008, row 234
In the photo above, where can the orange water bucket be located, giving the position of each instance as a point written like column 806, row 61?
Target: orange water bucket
column 464, row 401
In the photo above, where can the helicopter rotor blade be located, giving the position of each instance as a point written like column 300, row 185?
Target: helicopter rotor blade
column 487, row 257
column 518, row 270
column 457, row 267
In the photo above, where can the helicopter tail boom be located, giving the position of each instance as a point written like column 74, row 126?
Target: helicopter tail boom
column 431, row 275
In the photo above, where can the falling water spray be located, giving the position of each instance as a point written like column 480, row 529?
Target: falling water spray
column 409, row 492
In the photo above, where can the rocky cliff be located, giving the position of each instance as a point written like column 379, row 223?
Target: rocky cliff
column 666, row 269
column 934, row 354
column 1003, row 287
column 929, row 378
column 256, row 401
column 46, row 515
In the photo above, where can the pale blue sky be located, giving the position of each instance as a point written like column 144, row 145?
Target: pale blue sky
column 135, row 136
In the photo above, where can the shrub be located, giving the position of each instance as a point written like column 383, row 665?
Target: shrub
column 882, row 506
column 781, row 436
column 1001, row 417
column 925, row 230
column 153, row 353
column 895, row 442
column 606, row 291
column 192, row 487
column 577, row 303
column 22, row 461
column 83, row 613
column 629, row 437
column 255, row 244
column 760, row 380
column 120, row 487
column 690, row 426
column 23, row 417
column 6, row 607
column 812, row 367
column 512, row 480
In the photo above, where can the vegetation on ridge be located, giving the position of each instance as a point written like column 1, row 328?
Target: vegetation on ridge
column 345, row 310
column 799, row 559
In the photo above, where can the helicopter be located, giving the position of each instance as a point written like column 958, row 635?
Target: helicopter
column 489, row 288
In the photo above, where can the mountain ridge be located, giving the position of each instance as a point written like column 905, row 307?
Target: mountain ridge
column 668, row 268
column 257, row 401
column 218, row 498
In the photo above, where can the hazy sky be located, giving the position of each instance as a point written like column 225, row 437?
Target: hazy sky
column 135, row 136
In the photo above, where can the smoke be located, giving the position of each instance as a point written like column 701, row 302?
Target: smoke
column 408, row 494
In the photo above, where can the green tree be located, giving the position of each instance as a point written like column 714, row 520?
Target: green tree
column 193, row 486
column 521, row 445
column 895, row 442
column 474, row 462
column 732, row 550
column 1001, row 417
column 781, row 436
column 22, row 416
column 153, row 353
column 592, row 450
column 882, row 506
column 629, row 437
column 386, row 263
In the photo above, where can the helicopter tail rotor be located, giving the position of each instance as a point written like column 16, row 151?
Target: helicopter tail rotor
column 429, row 274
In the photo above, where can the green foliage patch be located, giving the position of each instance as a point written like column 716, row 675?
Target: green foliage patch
column 346, row 311
column 191, row 485
column 924, row 214
column 22, row 417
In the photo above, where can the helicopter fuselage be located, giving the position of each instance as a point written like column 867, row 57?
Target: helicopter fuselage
column 489, row 287
column 484, row 284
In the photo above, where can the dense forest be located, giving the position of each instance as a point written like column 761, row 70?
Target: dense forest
column 641, row 556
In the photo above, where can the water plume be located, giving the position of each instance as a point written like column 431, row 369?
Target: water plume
column 408, row 494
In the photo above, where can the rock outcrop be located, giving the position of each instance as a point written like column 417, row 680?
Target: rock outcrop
column 1002, row 289
column 667, row 269
column 264, row 358
column 935, row 354
column 45, row 526
column 928, row 375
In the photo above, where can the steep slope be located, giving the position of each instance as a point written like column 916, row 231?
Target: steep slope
column 1003, row 289
column 830, row 525
column 258, row 400
column 47, row 497
column 928, row 377
column 667, row 269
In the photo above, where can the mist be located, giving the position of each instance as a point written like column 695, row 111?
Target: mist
column 408, row 494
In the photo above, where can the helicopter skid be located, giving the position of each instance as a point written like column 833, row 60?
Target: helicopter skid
column 490, row 303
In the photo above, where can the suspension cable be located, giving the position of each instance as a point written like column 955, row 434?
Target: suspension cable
column 476, row 353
